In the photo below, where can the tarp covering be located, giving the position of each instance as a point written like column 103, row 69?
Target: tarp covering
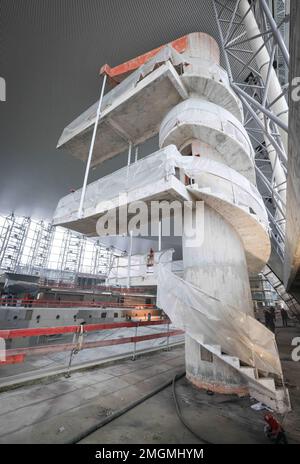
column 88, row 117
column 167, row 53
column 161, row 165
column 207, row 320
column 239, row 190
column 138, row 265
column 144, row 172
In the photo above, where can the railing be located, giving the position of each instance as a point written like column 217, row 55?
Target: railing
column 95, row 287
column 18, row 355
column 28, row 303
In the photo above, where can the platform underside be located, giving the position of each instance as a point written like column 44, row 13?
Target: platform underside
column 161, row 190
column 133, row 117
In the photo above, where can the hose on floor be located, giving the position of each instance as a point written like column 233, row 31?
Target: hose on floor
column 119, row 413
column 131, row 406
column 178, row 411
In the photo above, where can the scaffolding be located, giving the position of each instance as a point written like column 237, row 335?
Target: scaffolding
column 254, row 38
column 101, row 258
column 13, row 236
column 71, row 254
column 40, row 249
column 36, row 247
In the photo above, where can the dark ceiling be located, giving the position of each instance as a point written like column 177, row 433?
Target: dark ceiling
column 51, row 51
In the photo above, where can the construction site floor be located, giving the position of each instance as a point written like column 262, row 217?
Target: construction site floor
column 57, row 410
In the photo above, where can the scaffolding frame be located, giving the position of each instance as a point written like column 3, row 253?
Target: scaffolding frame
column 40, row 251
column 13, row 236
column 261, row 121
column 71, row 253
column 26, row 246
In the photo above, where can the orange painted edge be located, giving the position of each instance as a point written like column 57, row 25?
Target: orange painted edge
column 179, row 45
column 13, row 359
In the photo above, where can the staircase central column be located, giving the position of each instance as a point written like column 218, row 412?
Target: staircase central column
column 209, row 124
column 218, row 267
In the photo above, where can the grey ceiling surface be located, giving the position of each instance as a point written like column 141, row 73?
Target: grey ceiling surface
column 50, row 55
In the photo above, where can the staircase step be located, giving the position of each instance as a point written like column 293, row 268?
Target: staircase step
column 267, row 382
column 232, row 360
column 248, row 371
column 216, row 349
column 278, row 400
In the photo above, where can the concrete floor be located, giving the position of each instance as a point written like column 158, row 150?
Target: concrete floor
column 55, row 411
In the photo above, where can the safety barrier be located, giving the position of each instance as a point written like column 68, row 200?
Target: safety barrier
column 29, row 303
column 18, row 355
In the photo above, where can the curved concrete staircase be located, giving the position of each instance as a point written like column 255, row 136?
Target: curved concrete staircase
column 205, row 155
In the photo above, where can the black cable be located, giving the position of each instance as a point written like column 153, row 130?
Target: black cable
column 119, row 413
column 181, row 417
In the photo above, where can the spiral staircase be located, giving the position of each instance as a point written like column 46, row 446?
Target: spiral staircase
column 196, row 111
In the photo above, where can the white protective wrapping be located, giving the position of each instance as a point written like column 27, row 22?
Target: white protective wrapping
column 87, row 118
column 227, row 183
column 138, row 265
column 168, row 53
column 207, row 320
column 139, row 174
column 161, row 165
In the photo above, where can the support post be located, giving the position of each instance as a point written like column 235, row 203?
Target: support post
column 168, row 336
column 134, row 343
column 129, row 154
column 136, row 154
column 129, row 260
column 88, row 164
column 159, row 236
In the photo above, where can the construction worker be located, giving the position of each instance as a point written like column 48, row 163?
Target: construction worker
column 284, row 317
column 150, row 260
column 267, row 315
column 274, row 430
column 272, row 319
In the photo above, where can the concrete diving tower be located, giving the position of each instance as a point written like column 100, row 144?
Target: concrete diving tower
column 205, row 155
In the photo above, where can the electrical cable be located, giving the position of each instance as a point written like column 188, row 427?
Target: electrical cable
column 131, row 406
column 178, row 411
column 119, row 413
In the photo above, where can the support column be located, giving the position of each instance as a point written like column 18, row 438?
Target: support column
column 219, row 268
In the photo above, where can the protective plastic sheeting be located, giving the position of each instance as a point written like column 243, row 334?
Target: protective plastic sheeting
column 209, row 71
column 144, row 172
column 87, row 118
column 207, row 320
column 139, row 266
column 226, row 183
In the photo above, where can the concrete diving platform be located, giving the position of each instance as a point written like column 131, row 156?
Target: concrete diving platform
column 152, row 178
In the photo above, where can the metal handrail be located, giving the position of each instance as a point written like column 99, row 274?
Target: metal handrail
column 30, row 303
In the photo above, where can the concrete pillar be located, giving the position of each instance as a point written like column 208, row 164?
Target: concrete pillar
column 202, row 126
column 219, row 268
